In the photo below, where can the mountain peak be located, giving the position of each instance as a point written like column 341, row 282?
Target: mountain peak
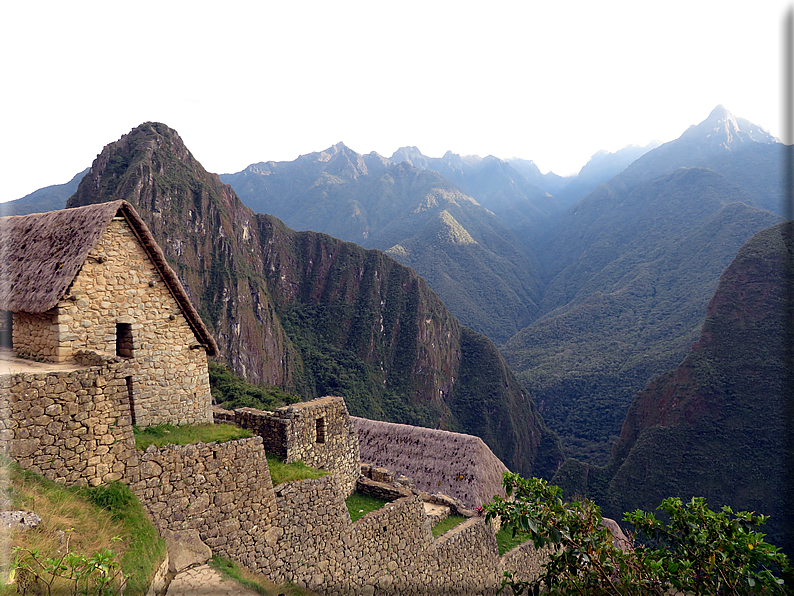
column 725, row 130
column 719, row 113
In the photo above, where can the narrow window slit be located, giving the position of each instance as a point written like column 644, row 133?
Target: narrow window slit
column 131, row 399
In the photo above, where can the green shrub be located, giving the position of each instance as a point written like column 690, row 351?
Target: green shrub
column 698, row 552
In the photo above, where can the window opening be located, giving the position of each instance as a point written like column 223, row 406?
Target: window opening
column 124, row 340
column 320, row 430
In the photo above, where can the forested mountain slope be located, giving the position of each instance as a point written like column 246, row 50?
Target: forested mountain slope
column 715, row 425
column 313, row 314
column 627, row 274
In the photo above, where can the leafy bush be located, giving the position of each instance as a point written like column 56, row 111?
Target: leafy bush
column 697, row 552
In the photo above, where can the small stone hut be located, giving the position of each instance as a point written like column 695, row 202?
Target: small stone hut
column 91, row 282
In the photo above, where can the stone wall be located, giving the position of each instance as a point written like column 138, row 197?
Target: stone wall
column 525, row 562
column 268, row 425
column 222, row 490
column 70, row 426
column 319, row 433
column 35, row 336
column 301, row 531
column 119, row 291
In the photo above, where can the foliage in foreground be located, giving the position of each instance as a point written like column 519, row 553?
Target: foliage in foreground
column 77, row 527
column 698, row 551
column 99, row 573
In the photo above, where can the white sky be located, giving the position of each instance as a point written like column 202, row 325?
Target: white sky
column 251, row 81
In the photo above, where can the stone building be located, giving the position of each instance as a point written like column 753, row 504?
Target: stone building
column 320, row 433
column 91, row 283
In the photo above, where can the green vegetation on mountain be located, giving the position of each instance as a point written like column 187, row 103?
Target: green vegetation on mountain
column 635, row 271
column 230, row 391
column 715, row 426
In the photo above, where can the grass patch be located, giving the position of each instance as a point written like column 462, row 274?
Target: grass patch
column 281, row 472
column 167, row 434
column 87, row 519
column 359, row 504
column 253, row 581
column 446, row 524
column 506, row 540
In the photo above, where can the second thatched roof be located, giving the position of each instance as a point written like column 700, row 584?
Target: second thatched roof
column 438, row 461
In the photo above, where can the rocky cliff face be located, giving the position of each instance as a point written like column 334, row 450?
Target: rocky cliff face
column 314, row 314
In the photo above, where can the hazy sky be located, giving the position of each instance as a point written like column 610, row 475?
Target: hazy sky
column 244, row 82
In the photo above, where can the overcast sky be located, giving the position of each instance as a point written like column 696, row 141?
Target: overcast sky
column 244, row 82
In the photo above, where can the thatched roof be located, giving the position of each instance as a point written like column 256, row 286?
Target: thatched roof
column 41, row 253
column 457, row 465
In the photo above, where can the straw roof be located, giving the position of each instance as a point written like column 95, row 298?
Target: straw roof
column 438, row 461
column 41, row 253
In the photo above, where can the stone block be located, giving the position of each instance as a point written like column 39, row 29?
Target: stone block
column 185, row 549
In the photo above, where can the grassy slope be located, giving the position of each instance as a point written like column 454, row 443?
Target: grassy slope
column 75, row 514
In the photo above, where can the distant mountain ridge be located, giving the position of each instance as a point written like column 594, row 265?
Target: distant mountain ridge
column 490, row 281
column 48, row 198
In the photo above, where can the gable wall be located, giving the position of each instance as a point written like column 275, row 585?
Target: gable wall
column 119, row 284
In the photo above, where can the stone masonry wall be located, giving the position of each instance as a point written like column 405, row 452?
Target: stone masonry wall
column 222, row 490
column 118, row 285
column 72, row 427
column 318, row 432
column 525, row 562
column 267, row 425
column 301, row 531
column 34, row 336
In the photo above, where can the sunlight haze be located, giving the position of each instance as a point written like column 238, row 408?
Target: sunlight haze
column 257, row 81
